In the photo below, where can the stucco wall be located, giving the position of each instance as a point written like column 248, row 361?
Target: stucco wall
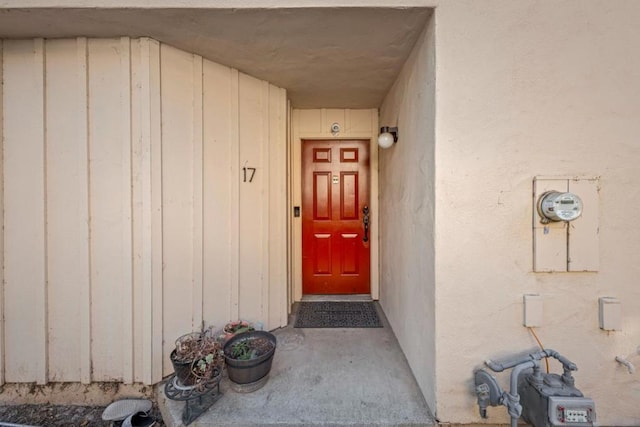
column 523, row 89
column 407, row 171
column 128, row 220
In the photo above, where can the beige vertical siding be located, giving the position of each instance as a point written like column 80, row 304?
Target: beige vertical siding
column 67, row 204
column 276, row 294
column 252, row 213
column 147, row 211
column 110, row 207
column 110, row 181
column 25, row 304
column 127, row 219
column 220, row 152
column 177, row 192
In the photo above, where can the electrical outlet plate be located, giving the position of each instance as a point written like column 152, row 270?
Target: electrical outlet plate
column 532, row 310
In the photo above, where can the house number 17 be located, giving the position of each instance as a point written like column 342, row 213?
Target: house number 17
column 248, row 174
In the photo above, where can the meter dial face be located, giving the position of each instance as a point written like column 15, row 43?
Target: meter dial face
column 556, row 206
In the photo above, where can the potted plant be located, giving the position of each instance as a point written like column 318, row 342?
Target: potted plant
column 198, row 357
column 248, row 356
column 237, row 327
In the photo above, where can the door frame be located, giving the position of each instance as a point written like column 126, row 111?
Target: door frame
column 316, row 124
column 342, row 232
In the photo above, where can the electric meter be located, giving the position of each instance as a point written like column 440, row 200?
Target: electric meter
column 557, row 206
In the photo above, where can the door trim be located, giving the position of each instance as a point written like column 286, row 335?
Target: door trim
column 316, row 124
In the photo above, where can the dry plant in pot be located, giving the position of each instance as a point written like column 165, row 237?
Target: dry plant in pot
column 197, row 358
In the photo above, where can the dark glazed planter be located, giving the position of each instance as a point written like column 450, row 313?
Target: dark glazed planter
column 252, row 370
column 183, row 371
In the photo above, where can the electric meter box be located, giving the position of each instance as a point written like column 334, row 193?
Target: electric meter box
column 557, row 206
column 565, row 224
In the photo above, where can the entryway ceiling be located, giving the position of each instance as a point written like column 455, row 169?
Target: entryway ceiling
column 329, row 57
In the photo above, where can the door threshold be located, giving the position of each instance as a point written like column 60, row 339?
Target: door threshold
column 349, row 297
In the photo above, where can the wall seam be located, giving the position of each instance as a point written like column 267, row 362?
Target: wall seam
column 266, row 201
column 83, row 134
column 43, row 378
column 234, row 214
column 2, row 324
column 157, row 255
column 197, row 230
column 127, row 267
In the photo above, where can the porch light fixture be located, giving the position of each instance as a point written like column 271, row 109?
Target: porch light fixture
column 388, row 136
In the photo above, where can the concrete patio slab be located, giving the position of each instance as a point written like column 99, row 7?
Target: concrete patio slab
column 322, row 377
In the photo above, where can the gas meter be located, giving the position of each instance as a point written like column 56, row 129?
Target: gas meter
column 557, row 206
column 541, row 399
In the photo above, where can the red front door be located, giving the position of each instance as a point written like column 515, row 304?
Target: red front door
column 335, row 207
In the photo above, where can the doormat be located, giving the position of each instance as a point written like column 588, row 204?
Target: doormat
column 337, row 314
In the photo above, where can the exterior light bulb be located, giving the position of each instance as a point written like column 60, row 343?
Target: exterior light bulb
column 385, row 140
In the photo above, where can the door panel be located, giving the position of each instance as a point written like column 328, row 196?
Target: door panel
column 322, row 248
column 335, row 187
column 349, row 208
column 321, row 196
column 349, row 260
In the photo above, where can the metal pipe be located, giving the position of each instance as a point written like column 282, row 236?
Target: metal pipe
column 538, row 355
column 626, row 363
column 565, row 362
column 516, row 372
column 494, row 366
column 515, row 409
column 506, row 364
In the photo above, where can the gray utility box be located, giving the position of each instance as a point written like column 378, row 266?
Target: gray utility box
column 552, row 400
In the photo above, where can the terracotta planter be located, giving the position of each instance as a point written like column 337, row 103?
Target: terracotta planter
column 233, row 328
column 250, row 370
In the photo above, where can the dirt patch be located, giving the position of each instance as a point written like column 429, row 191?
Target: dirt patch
column 61, row 415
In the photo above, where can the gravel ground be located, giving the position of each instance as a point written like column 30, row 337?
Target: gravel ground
column 60, row 415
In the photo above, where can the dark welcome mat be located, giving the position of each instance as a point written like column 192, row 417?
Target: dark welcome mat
column 337, row 314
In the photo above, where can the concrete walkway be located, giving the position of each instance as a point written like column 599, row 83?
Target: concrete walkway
column 322, row 377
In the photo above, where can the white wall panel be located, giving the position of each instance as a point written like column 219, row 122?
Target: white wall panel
column 220, row 187
column 140, row 199
column 109, row 165
column 126, row 213
column 277, row 249
column 24, row 214
column 125, row 194
column 197, row 173
column 147, row 209
column 252, row 100
column 155, row 316
column 67, row 206
column 177, row 85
